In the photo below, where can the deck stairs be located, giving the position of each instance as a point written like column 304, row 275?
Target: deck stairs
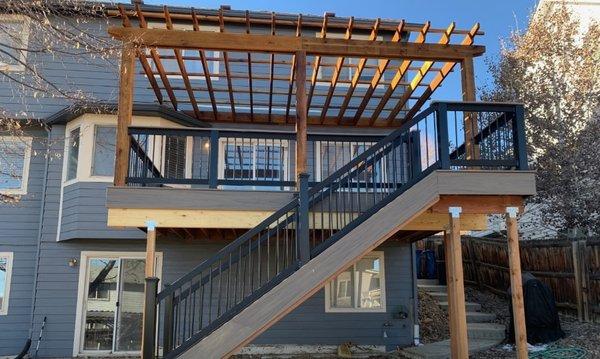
column 483, row 333
column 229, row 299
column 234, row 296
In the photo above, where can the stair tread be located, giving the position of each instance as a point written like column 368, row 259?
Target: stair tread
column 432, row 287
column 441, row 349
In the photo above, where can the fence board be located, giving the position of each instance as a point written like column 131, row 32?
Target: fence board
column 571, row 267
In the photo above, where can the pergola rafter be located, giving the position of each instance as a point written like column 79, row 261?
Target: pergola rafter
column 245, row 69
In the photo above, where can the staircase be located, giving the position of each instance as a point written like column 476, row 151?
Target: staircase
column 483, row 333
column 234, row 296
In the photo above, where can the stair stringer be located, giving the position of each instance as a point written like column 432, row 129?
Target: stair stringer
column 310, row 278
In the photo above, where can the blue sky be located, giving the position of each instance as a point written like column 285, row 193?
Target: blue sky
column 497, row 18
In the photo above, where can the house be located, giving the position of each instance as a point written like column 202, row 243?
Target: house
column 256, row 187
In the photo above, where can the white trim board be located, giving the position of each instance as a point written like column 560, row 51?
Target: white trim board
column 82, row 285
column 9, row 267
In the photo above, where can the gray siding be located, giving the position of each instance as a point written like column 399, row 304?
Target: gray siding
column 308, row 324
column 19, row 225
column 84, row 213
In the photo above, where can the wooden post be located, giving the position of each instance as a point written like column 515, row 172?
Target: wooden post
column 449, row 282
column 150, row 249
column 467, row 73
column 150, row 294
column 577, row 275
column 459, row 343
column 585, row 280
column 516, row 282
column 301, row 113
column 124, row 113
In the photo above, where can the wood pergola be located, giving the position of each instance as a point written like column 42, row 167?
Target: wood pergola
column 358, row 72
column 287, row 69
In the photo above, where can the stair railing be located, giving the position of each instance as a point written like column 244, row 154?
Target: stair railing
column 227, row 282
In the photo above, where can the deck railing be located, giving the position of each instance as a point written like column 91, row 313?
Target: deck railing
column 227, row 158
column 467, row 136
column 241, row 272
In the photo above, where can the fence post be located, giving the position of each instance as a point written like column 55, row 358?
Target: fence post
column 303, row 224
column 442, row 128
column 473, row 261
column 213, row 166
column 149, row 326
column 584, row 279
column 578, row 282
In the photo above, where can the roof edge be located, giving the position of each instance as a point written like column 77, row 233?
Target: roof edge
column 71, row 112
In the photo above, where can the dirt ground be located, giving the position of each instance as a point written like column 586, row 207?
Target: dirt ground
column 582, row 340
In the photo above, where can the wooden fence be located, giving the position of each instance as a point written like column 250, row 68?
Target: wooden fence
column 571, row 267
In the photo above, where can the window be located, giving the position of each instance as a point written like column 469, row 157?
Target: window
column 110, row 298
column 103, row 162
column 334, row 155
column 350, row 65
column 193, row 64
column 359, row 288
column 6, row 259
column 14, row 34
column 258, row 160
column 15, row 154
column 73, row 153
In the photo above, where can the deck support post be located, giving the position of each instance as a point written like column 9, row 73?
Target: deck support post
column 459, row 345
column 125, row 112
column 516, row 282
column 301, row 114
column 467, row 73
column 150, row 295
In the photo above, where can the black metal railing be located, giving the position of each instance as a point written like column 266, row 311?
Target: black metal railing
column 227, row 158
column 229, row 281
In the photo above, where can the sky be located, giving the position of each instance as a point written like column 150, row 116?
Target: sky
column 497, row 18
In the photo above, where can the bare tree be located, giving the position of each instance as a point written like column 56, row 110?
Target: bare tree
column 35, row 35
column 552, row 68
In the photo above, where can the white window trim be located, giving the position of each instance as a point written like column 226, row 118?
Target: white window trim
column 9, row 267
column 328, row 309
column 254, row 142
column 82, row 288
column 319, row 154
column 24, row 41
column 87, row 123
column 26, row 159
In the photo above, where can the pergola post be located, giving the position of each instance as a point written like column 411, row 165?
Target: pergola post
column 150, row 294
column 467, row 73
column 125, row 112
column 301, row 114
column 459, row 345
column 516, row 282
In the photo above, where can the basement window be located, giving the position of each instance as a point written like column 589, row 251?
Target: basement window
column 360, row 288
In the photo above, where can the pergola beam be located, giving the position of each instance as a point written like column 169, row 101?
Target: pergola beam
column 336, row 72
column 400, row 73
column 419, row 76
column 162, row 38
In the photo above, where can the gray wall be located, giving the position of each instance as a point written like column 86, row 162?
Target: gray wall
column 308, row 324
column 19, row 234
column 84, row 213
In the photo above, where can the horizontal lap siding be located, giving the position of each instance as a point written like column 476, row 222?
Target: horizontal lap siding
column 84, row 213
column 92, row 77
column 308, row 324
column 19, row 225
